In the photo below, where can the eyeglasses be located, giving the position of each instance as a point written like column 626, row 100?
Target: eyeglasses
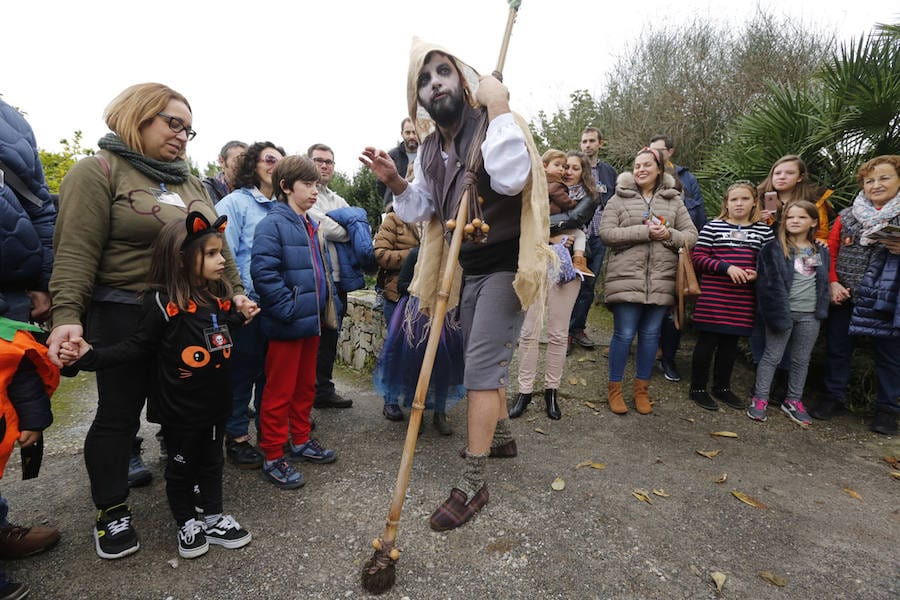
column 269, row 159
column 324, row 161
column 177, row 125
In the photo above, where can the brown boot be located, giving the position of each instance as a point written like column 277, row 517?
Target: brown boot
column 642, row 396
column 580, row 264
column 616, row 402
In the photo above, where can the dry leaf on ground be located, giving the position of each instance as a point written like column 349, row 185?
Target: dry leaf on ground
column 749, row 500
column 719, row 579
column 573, row 380
column 722, row 478
column 540, row 431
column 582, row 381
column 688, row 419
column 642, row 495
column 773, row 578
column 895, row 474
column 710, row 454
column 852, row 493
column 591, row 464
column 661, row 493
column 558, row 484
column 584, row 463
column 590, row 405
column 893, row 461
column 728, row 434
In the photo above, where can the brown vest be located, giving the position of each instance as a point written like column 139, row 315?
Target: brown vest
column 501, row 250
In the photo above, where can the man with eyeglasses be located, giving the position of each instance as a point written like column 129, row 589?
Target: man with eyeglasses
column 403, row 156
column 328, row 200
column 222, row 183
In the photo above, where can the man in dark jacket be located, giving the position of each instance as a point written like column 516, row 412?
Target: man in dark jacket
column 605, row 178
column 27, row 216
column 222, row 183
column 403, row 156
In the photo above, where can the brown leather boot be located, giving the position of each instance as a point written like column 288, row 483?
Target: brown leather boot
column 580, row 264
column 642, row 396
column 616, row 401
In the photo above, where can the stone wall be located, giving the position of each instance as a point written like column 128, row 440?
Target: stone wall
column 362, row 334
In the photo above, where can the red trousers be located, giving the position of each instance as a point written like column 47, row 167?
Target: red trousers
column 288, row 396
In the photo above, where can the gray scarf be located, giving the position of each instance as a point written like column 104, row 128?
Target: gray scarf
column 175, row 171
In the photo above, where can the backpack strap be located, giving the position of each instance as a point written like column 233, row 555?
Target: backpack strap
column 18, row 185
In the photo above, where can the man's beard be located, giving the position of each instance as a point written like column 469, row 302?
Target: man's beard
column 448, row 109
column 413, row 143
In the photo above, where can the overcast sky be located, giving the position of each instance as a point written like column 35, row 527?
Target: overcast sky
column 334, row 71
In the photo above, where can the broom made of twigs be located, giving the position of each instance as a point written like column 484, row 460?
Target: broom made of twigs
column 379, row 572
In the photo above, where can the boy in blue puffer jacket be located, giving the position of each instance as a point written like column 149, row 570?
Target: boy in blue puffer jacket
column 297, row 298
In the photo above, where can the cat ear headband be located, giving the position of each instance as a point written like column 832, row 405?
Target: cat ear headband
column 198, row 226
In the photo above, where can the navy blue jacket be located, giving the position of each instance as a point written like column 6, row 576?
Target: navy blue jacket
column 26, row 229
column 357, row 254
column 775, row 277
column 289, row 274
column 876, row 301
column 693, row 198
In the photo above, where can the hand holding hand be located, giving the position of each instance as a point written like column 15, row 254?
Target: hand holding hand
column 60, row 334
column 246, row 306
column 839, row 294
column 72, row 350
column 751, row 275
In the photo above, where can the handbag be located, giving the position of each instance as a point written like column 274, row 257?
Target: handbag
column 566, row 271
column 686, row 284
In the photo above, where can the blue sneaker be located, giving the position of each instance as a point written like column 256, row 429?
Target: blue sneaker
column 282, row 475
column 757, row 410
column 795, row 411
column 312, row 451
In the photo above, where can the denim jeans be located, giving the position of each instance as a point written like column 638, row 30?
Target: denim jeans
column 886, row 356
column 596, row 251
column 629, row 319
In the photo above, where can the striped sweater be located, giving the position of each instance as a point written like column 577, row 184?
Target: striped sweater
column 724, row 306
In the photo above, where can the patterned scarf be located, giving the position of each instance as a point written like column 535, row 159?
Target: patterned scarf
column 868, row 216
column 174, row 172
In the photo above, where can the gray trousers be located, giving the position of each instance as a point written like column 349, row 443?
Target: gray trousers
column 801, row 336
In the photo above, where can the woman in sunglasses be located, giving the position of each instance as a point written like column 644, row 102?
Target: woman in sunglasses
column 112, row 206
column 245, row 207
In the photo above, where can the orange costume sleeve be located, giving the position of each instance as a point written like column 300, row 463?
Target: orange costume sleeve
column 15, row 347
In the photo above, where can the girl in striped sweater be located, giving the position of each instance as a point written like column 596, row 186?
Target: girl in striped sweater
column 725, row 260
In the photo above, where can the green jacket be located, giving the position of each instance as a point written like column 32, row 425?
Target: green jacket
column 105, row 228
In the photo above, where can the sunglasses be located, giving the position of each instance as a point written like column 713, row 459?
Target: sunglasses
column 270, row 159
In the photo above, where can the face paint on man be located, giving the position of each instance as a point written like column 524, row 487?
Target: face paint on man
column 440, row 89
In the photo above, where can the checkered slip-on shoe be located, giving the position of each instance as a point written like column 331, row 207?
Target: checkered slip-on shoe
column 455, row 512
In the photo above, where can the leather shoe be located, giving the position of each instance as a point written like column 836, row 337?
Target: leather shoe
column 332, row 401
column 885, row 422
column 242, row 454
column 19, row 542
column 455, row 511
column 582, row 339
column 392, row 412
column 826, row 408
column 441, row 424
column 551, row 399
column 522, row 402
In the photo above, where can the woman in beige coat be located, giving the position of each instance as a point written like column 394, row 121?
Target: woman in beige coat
column 643, row 227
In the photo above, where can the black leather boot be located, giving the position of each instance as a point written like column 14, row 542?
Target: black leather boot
column 519, row 407
column 552, row 401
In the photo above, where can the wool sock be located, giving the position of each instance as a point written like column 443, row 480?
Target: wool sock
column 472, row 478
column 502, row 433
